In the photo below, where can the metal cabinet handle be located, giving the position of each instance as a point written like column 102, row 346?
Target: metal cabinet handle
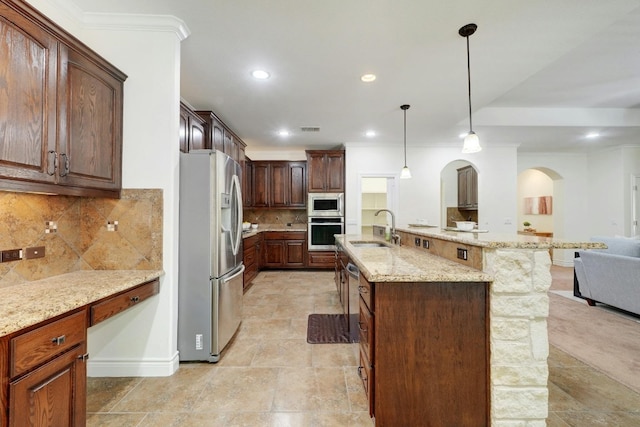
column 65, row 170
column 361, row 328
column 59, row 340
column 53, row 162
column 363, row 289
column 135, row 299
column 362, row 377
column 84, row 357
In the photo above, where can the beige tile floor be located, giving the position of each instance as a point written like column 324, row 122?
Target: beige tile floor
column 270, row 376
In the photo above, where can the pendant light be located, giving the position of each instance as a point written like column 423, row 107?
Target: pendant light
column 405, row 173
column 471, row 141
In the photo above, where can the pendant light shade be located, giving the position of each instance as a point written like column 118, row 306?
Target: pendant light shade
column 471, row 141
column 405, row 173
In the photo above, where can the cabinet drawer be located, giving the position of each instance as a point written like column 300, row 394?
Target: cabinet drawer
column 365, row 372
column 366, row 292
column 365, row 330
column 322, row 259
column 285, row 235
column 115, row 304
column 41, row 344
column 249, row 256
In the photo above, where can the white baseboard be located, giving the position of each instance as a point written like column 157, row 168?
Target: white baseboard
column 563, row 263
column 132, row 368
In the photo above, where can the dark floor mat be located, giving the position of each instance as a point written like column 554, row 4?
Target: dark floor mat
column 331, row 329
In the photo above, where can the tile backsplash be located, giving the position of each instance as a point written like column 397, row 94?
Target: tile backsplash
column 80, row 233
column 275, row 216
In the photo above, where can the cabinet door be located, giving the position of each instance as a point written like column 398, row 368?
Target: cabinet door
column 52, row 395
column 279, row 184
column 260, row 181
column 197, row 140
column 316, row 172
column 184, row 129
column 297, row 184
column 90, row 123
column 247, row 184
column 462, row 188
column 295, row 253
column 274, row 253
column 28, row 66
column 334, row 172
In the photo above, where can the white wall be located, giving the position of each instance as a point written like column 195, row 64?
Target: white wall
column 606, row 186
column 419, row 197
column 143, row 340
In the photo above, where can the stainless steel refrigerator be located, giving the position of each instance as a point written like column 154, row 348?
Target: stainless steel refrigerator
column 210, row 254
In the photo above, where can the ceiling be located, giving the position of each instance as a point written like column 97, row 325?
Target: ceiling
column 543, row 73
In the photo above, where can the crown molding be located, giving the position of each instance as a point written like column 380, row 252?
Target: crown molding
column 136, row 22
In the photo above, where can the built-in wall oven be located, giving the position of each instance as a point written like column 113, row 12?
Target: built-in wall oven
column 325, row 204
column 321, row 230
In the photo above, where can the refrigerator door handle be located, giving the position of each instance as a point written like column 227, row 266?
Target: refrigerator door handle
column 233, row 276
column 235, row 191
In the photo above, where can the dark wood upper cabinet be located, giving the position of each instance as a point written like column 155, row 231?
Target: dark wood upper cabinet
column 325, row 171
column 247, row 183
column 279, row 184
column 62, row 108
column 90, row 129
column 467, row 188
column 213, row 130
column 193, row 130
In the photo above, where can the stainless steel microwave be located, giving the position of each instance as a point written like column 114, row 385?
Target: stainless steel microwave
column 325, row 204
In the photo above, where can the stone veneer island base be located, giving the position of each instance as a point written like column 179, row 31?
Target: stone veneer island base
column 518, row 268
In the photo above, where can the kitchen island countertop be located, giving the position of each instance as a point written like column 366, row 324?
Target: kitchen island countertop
column 404, row 264
column 28, row 303
column 499, row 240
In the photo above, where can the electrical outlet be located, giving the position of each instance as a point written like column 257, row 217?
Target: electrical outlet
column 35, row 252
column 425, row 244
column 11, row 255
column 417, row 241
column 462, row 254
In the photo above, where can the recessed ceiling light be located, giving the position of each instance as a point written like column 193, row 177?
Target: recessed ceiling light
column 283, row 132
column 260, row 74
column 592, row 135
column 368, row 78
column 370, row 133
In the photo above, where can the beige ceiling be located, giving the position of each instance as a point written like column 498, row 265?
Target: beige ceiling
column 543, row 72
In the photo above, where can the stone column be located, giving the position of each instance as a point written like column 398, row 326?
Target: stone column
column 519, row 307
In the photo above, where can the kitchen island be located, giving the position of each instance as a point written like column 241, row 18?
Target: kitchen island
column 505, row 277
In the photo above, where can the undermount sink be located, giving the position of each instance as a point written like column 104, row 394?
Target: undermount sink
column 359, row 244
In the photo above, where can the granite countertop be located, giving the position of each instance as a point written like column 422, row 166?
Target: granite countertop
column 274, row 227
column 403, row 264
column 29, row 303
column 500, row 240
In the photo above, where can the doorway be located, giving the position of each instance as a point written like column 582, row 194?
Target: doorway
column 377, row 191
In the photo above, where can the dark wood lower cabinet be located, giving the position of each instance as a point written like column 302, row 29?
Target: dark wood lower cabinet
column 286, row 249
column 252, row 258
column 52, row 395
column 424, row 353
column 43, row 372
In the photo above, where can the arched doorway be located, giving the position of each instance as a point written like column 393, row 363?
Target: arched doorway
column 540, row 198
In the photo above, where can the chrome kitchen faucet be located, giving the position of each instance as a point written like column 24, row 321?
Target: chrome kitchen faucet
column 395, row 238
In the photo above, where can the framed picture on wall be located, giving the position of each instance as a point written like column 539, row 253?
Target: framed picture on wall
column 538, row 205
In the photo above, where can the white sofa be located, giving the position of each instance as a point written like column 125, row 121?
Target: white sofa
column 610, row 276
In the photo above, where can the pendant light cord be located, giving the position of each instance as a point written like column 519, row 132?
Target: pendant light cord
column 405, row 138
column 469, row 82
